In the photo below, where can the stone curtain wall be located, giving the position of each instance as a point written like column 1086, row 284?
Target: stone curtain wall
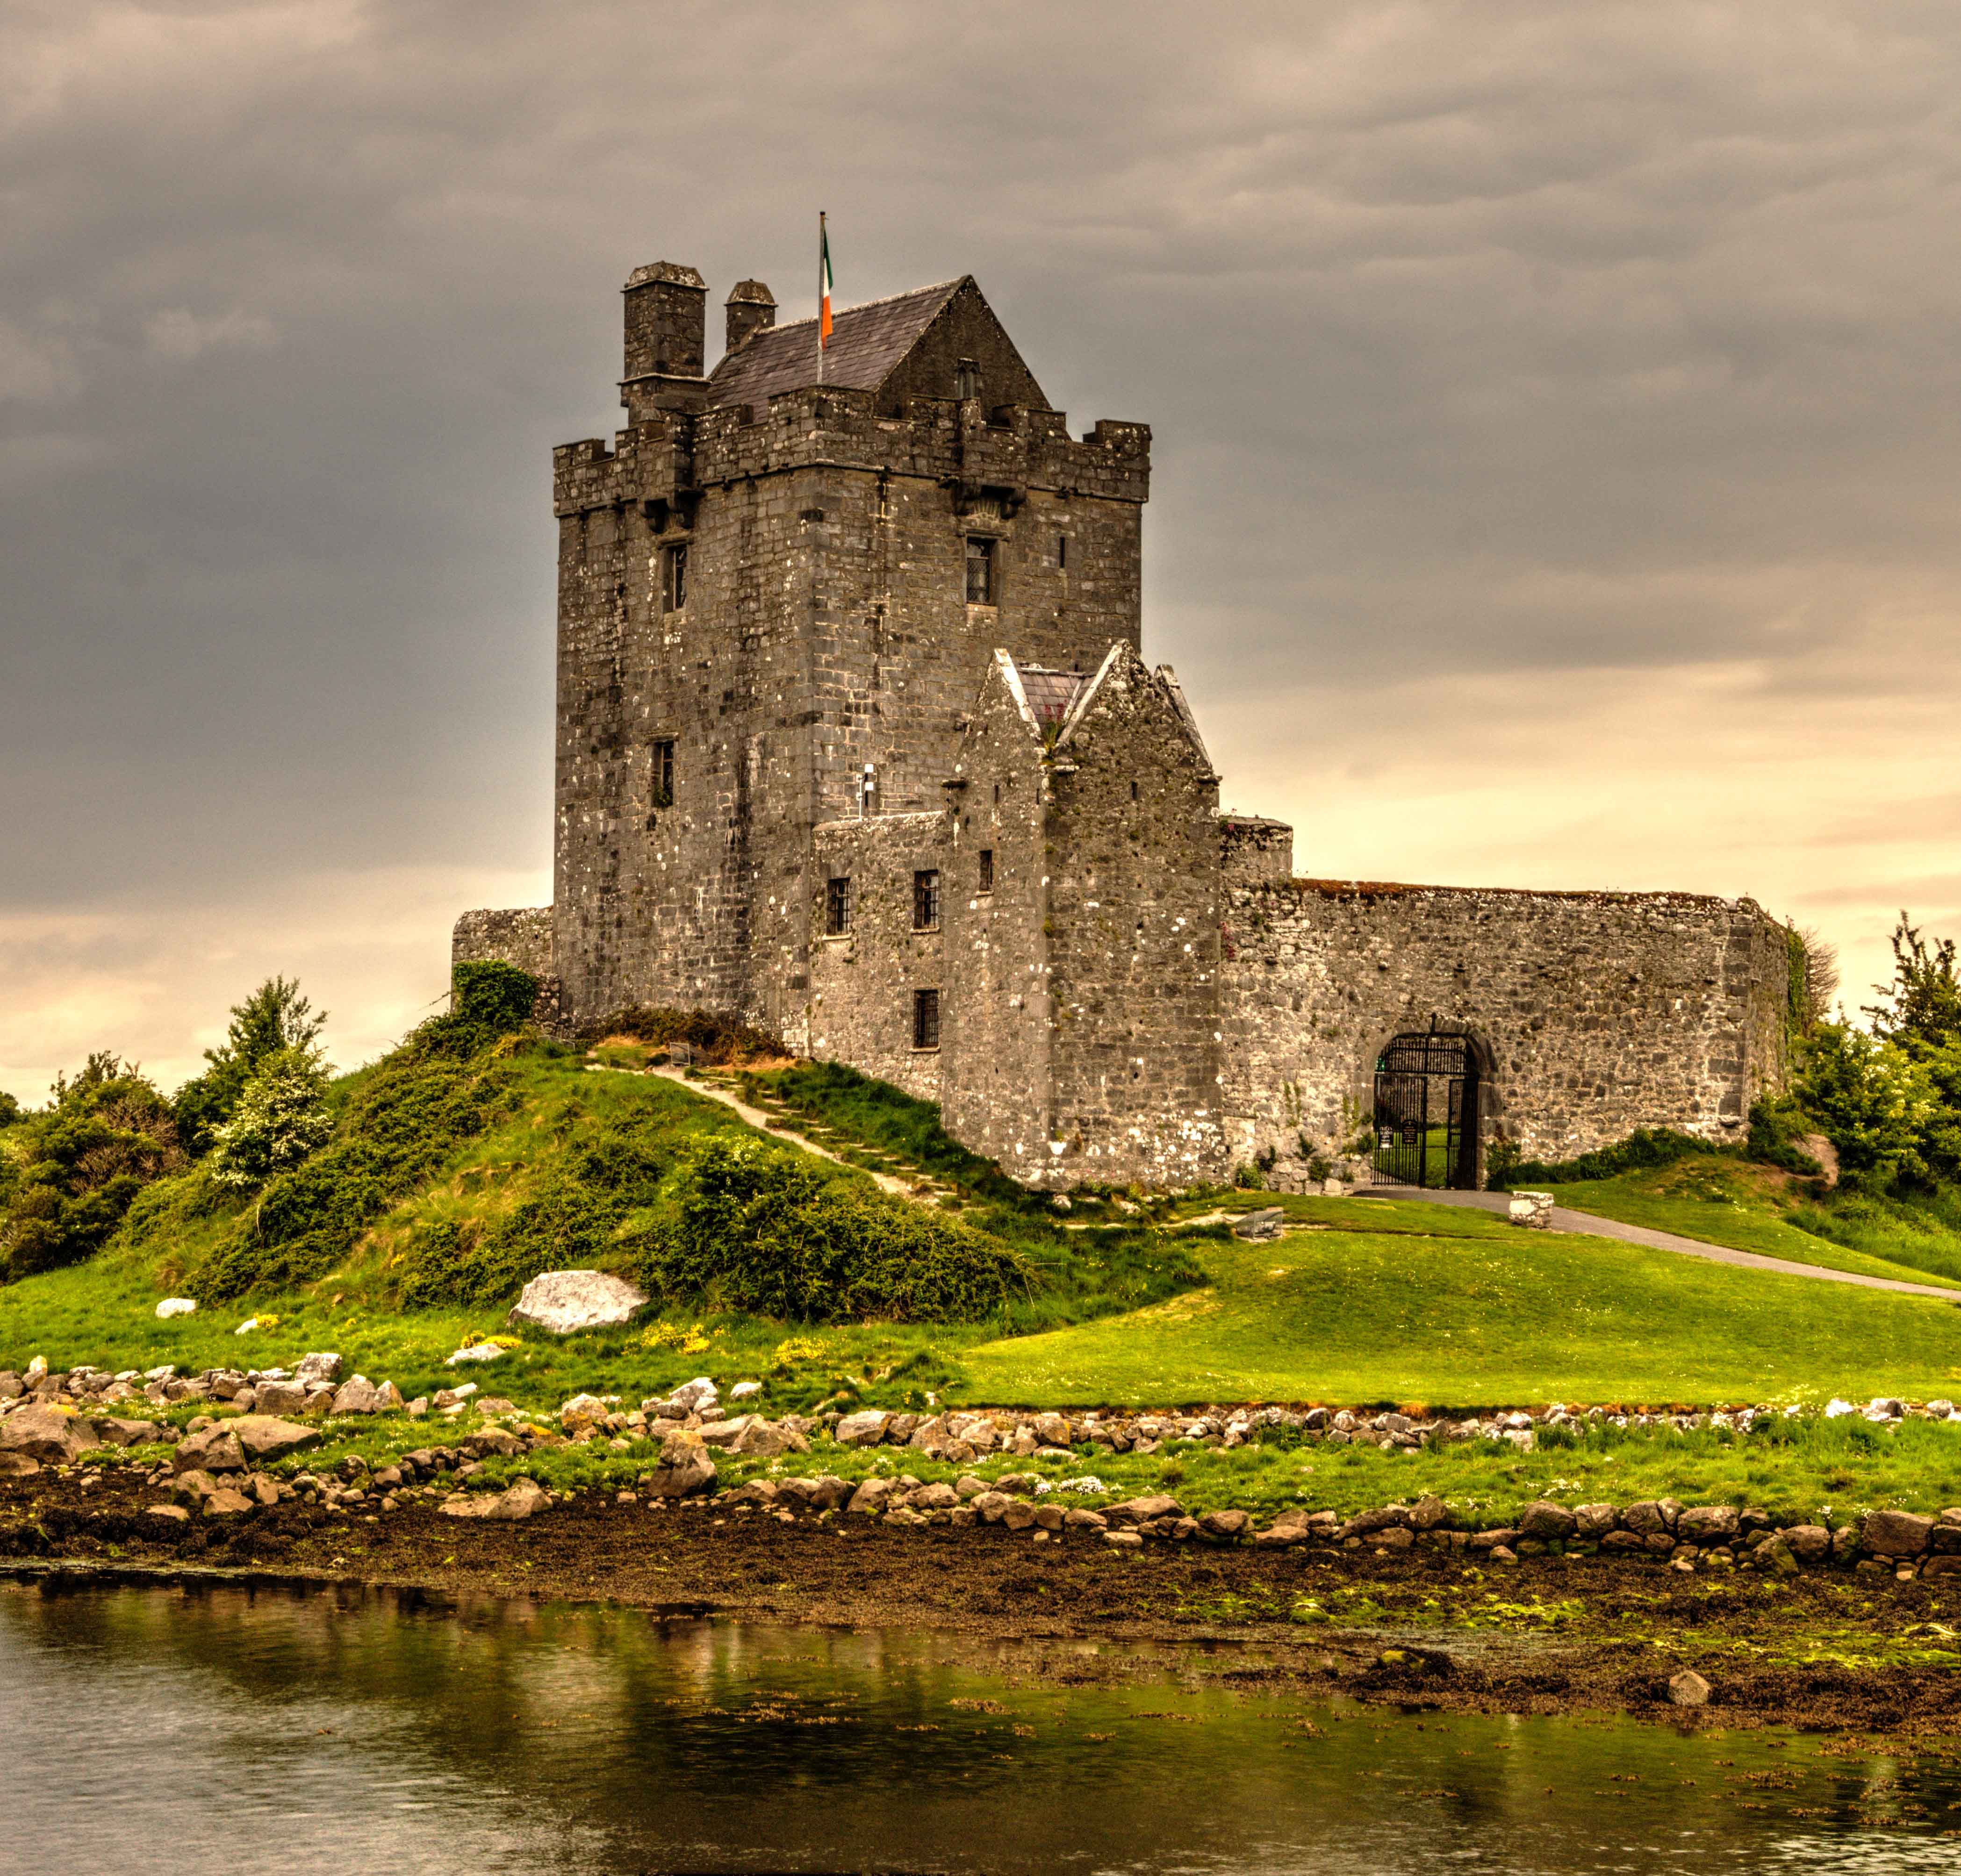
column 522, row 938
column 862, row 983
column 1601, row 1012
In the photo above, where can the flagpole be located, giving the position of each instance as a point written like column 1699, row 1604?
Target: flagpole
column 820, row 296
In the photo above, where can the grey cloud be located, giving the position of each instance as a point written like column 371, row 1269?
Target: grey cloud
column 1498, row 344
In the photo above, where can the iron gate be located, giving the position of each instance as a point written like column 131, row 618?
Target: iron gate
column 1426, row 1111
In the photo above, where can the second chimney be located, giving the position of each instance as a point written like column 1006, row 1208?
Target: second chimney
column 752, row 309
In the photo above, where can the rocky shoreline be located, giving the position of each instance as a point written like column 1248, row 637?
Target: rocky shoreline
column 243, row 1458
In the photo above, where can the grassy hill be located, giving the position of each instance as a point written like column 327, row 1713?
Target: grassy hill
column 458, row 1170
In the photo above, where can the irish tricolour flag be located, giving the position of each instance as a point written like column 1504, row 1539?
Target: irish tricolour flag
column 823, row 285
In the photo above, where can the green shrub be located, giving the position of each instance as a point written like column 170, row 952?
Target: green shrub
column 1646, row 1146
column 272, row 1020
column 78, row 1165
column 758, row 1230
column 403, row 1120
column 280, row 1118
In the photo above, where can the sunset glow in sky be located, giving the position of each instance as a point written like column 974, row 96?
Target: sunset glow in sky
column 1558, row 420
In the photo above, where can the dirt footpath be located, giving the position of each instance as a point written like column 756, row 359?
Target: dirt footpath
column 1422, row 1628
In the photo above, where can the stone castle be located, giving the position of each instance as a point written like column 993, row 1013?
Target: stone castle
column 856, row 741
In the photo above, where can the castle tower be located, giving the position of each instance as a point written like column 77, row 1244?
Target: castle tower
column 776, row 602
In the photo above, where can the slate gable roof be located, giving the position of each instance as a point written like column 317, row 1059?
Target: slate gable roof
column 867, row 344
column 1050, row 694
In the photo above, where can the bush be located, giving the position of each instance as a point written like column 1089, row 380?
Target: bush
column 1646, row 1146
column 274, row 1019
column 279, row 1119
column 81, row 1164
column 759, row 1231
column 571, row 1219
column 409, row 1113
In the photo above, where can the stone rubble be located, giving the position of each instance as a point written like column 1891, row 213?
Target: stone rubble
column 217, row 1466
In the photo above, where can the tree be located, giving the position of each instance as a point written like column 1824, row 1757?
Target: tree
column 81, row 1161
column 279, row 1119
column 1920, row 1009
column 274, row 1018
column 1814, row 978
column 1872, row 1101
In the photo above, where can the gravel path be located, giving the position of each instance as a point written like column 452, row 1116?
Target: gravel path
column 1564, row 1219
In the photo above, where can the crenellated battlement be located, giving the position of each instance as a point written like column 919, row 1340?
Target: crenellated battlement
column 1009, row 451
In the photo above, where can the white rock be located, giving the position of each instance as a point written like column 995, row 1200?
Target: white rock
column 246, row 1327
column 477, row 1351
column 317, row 1369
column 1835, row 1410
column 745, row 1390
column 694, row 1395
column 563, row 1302
column 176, row 1306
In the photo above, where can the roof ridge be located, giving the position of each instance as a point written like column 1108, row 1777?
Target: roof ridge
column 940, row 286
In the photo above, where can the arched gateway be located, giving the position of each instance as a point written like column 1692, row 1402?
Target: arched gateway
column 1427, row 1091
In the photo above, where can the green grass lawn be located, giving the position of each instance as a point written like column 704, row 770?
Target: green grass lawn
column 1748, row 1208
column 1460, row 1308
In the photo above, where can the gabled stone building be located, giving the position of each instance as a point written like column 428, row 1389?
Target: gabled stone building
column 856, row 741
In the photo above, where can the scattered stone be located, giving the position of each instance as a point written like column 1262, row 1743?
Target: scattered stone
column 862, row 1429
column 692, row 1396
column 171, row 1514
column 1532, row 1210
column 223, row 1502
column 1707, row 1525
column 216, row 1449
column 1257, row 1227
column 525, row 1499
column 358, row 1395
column 264, row 1436
column 1688, row 1689
column 1895, row 1533
column 317, row 1369
column 476, row 1352
column 1123, row 1540
column 15, row 1465
column 682, row 1476
column 1226, row 1525
column 582, row 1410
column 280, row 1396
column 53, row 1435
column 745, row 1390
column 176, row 1306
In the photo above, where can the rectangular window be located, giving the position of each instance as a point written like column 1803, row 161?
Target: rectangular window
column 926, row 1019
column 925, row 900
column 987, row 869
column 836, row 906
column 980, row 570
column 662, row 772
column 966, row 380
column 674, row 576
column 1062, row 551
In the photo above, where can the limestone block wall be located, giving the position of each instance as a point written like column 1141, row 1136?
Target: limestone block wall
column 521, row 936
column 1598, row 1012
column 862, row 981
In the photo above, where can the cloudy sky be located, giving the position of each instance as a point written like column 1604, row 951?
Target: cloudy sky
column 1557, row 414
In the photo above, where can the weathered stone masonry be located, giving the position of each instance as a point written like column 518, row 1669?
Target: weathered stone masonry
column 887, row 628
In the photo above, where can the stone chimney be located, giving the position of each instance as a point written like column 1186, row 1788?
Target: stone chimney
column 667, row 328
column 751, row 308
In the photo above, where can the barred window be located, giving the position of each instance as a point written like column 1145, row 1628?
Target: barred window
column 987, row 869
column 674, row 577
column 836, row 905
column 926, row 1019
column 980, row 570
column 925, row 898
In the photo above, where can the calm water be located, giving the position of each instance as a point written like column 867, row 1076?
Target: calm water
column 221, row 1729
